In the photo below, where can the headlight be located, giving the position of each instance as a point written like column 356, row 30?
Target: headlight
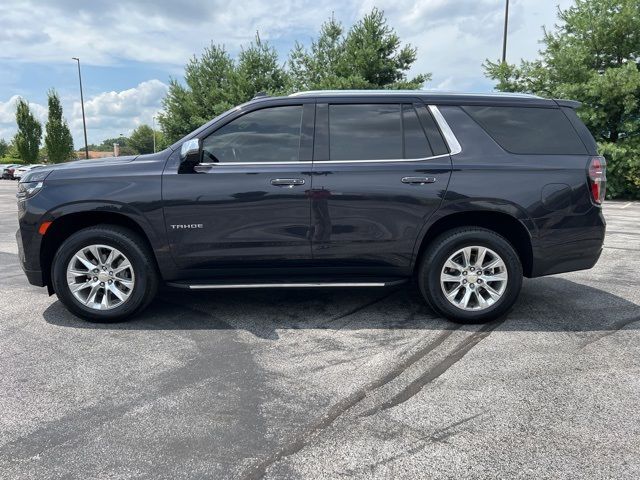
column 28, row 189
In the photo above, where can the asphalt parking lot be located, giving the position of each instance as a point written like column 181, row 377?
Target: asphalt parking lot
column 326, row 383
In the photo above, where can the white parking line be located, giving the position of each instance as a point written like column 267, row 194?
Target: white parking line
column 625, row 206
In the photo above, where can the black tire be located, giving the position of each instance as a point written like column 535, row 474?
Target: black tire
column 446, row 245
column 133, row 247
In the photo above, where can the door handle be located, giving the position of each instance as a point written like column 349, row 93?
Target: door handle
column 287, row 182
column 418, row 180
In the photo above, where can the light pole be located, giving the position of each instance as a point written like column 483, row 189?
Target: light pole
column 153, row 122
column 504, row 37
column 84, row 121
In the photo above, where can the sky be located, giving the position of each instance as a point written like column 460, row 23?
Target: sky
column 130, row 49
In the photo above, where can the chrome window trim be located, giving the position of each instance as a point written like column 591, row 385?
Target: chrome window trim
column 447, row 133
column 449, row 136
column 322, row 162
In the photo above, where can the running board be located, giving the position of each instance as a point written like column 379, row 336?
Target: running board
column 218, row 286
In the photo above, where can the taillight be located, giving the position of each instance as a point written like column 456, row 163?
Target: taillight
column 597, row 178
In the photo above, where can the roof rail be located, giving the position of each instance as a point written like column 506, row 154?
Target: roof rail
column 351, row 92
column 567, row 103
column 411, row 92
column 260, row 95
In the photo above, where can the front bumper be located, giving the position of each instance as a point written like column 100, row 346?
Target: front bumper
column 29, row 242
column 30, row 265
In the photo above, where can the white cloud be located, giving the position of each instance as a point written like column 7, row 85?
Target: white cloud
column 453, row 38
column 112, row 113
column 163, row 31
column 108, row 114
column 8, row 116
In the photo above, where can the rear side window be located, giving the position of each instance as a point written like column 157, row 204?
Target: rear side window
column 365, row 132
column 529, row 130
column 433, row 132
column 381, row 132
column 415, row 141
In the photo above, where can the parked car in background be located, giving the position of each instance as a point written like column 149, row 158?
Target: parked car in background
column 7, row 170
column 466, row 194
column 19, row 172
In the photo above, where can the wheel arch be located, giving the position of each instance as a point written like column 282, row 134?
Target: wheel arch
column 502, row 223
column 66, row 225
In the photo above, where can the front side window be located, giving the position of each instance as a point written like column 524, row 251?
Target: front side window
column 365, row 132
column 267, row 135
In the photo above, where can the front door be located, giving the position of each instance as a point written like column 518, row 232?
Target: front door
column 381, row 168
column 245, row 205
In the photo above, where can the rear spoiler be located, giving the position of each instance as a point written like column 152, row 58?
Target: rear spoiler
column 567, row 103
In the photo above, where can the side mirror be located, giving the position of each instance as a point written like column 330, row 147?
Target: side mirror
column 189, row 149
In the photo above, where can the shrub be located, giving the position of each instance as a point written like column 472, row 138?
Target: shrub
column 623, row 168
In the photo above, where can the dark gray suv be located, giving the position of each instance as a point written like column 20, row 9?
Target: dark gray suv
column 466, row 194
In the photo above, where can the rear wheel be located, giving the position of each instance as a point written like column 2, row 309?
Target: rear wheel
column 104, row 274
column 470, row 275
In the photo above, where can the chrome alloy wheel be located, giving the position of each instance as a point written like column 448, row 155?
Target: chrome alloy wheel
column 100, row 277
column 474, row 278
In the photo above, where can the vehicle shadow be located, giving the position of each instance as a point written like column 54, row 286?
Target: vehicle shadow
column 550, row 304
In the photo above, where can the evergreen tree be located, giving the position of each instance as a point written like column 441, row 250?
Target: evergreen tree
column 141, row 139
column 215, row 82
column 58, row 140
column 368, row 56
column 593, row 56
column 27, row 140
column 4, row 147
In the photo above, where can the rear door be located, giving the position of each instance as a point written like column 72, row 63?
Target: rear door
column 381, row 168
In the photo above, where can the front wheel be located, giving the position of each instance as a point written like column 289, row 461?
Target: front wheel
column 470, row 275
column 104, row 274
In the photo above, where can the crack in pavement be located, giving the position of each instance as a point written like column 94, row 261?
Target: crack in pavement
column 357, row 309
column 421, row 441
column 348, row 313
column 616, row 327
column 441, row 367
column 303, row 438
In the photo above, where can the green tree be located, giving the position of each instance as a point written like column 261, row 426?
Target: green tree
column 141, row 139
column 161, row 141
column 4, row 147
column 58, row 140
column 258, row 71
column 592, row 55
column 215, row 82
column 322, row 66
column 11, row 155
column 107, row 144
column 27, row 140
column 207, row 92
column 370, row 55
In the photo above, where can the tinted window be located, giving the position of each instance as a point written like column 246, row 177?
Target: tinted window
column 365, row 132
column 268, row 135
column 415, row 141
column 436, row 141
column 529, row 130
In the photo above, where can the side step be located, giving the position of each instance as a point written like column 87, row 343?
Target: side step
column 288, row 284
